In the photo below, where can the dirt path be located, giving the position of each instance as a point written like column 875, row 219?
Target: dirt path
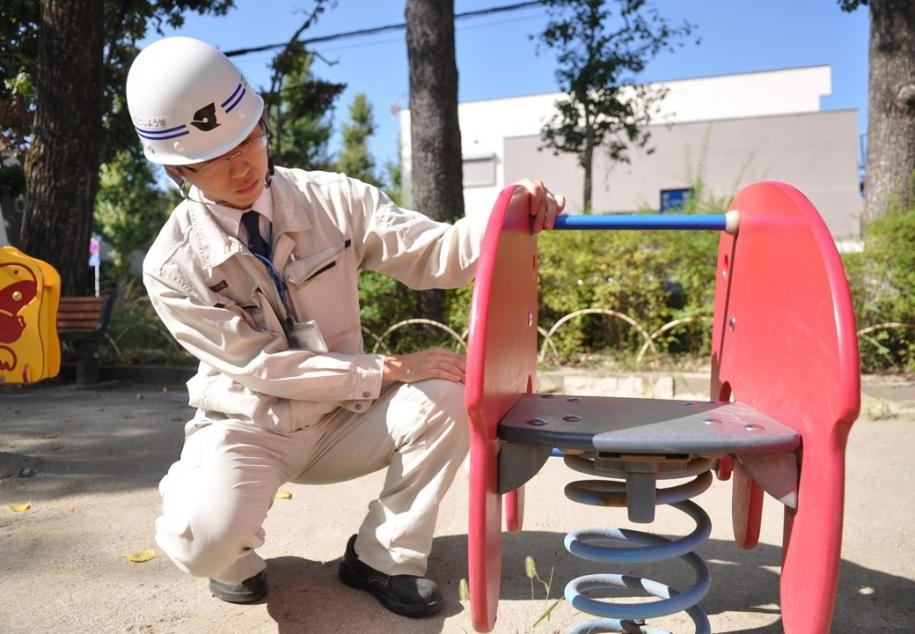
column 88, row 463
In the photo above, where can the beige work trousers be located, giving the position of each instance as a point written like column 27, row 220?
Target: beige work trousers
column 216, row 497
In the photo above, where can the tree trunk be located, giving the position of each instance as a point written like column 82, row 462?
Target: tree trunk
column 436, row 166
column 63, row 161
column 891, row 108
column 434, row 130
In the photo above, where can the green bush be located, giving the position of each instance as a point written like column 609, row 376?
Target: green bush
column 882, row 281
column 654, row 277
column 385, row 302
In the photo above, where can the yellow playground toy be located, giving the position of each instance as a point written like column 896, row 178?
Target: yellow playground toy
column 29, row 295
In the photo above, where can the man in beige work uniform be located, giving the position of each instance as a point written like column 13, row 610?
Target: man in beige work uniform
column 255, row 274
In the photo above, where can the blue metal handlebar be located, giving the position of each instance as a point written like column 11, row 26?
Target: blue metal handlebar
column 712, row 222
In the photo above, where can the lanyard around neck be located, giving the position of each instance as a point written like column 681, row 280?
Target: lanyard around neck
column 277, row 278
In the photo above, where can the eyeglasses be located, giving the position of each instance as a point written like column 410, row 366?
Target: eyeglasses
column 219, row 166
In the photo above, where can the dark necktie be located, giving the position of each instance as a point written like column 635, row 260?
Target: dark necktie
column 256, row 242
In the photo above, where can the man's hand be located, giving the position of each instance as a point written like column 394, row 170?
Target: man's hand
column 544, row 205
column 436, row 363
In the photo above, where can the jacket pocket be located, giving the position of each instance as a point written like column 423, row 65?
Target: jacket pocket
column 322, row 288
column 305, row 335
column 302, row 271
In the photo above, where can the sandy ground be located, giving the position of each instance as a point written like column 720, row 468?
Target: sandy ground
column 88, row 462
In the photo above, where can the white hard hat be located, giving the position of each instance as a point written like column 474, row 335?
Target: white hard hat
column 189, row 102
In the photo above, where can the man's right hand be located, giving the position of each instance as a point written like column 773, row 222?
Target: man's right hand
column 435, row 363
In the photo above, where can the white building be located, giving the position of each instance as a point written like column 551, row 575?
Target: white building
column 731, row 130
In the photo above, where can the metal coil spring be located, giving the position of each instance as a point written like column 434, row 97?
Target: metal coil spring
column 628, row 617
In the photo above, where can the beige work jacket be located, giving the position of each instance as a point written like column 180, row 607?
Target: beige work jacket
column 220, row 303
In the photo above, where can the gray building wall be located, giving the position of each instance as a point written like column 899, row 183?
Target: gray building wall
column 815, row 152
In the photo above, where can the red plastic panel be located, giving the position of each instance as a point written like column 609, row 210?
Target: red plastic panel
column 501, row 362
column 784, row 342
column 746, row 507
column 514, row 510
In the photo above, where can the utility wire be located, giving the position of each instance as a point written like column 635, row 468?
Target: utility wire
column 382, row 29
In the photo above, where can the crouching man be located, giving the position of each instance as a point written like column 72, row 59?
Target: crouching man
column 255, row 274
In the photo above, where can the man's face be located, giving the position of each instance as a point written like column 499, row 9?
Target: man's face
column 235, row 178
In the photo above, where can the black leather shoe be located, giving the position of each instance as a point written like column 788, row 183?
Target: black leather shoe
column 407, row 595
column 248, row 591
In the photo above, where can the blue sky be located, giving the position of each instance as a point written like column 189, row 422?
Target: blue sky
column 496, row 57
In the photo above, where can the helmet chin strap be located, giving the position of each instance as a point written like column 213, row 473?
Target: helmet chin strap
column 268, row 179
column 180, row 184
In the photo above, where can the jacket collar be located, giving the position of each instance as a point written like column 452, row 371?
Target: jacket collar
column 210, row 241
column 215, row 246
column 290, row 207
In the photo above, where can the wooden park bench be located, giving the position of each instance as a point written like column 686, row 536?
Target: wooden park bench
column 84, row 320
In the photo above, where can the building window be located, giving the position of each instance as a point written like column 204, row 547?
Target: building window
column 675, row 199
column 480, row 171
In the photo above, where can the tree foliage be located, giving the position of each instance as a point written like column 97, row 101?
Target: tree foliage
column 62, row 69
column 298, row 104
column 601, row 46
column 125, row 22
column 18, row 52
column 355, row 160
column 129, row 208
column 393, row 182
column 300, row 113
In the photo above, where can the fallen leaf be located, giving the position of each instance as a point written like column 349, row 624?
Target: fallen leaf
column 283, row 495
column 20, row 508
column 141, row 557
